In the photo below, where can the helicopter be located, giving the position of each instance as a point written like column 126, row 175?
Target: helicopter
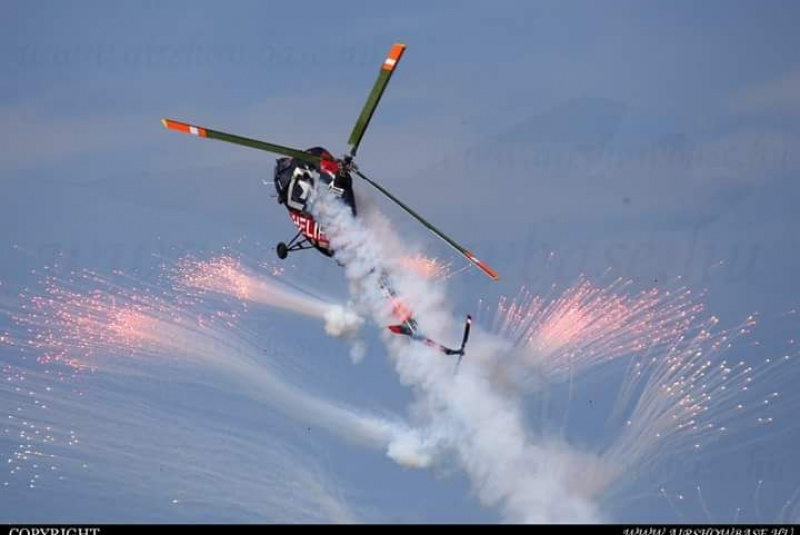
column 297, row 172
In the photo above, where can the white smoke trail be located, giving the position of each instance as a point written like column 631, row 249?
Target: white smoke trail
column 227, row 276
column 680, row 392
column 465, row 414
column 160, row 459
column 119, row 329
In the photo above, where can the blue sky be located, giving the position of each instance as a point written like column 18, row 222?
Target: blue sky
column 656, row 140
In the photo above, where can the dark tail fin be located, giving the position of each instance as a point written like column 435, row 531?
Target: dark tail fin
column 460, row 350
column 464, row 340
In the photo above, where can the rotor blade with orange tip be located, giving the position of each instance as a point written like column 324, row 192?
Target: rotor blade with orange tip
column 387, row 68
column 239, row 140
column 492, row 274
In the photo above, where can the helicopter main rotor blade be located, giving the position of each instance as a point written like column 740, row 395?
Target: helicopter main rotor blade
column 387, row 68
column 239, row 140
column 492, row 274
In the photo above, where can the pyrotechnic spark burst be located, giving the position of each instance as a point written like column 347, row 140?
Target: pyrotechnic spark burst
column 227, row 276
column 39, row 439
column 559, row 335
column 748, row 511
column 223, row 274
column 429, row 267
column 126, row 329
column 679, row 392
column 692, row 396
column 208, row 464
column 83, row 328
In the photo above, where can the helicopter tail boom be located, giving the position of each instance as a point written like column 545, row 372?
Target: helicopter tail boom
column 406, row 330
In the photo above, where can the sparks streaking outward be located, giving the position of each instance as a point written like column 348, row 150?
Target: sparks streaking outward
column 428, row 267
column 562, row 334
column 226, row 275
column 531, row 476
column 300, row 173
column 680, row 390
column 90, row 322
column 74, row 434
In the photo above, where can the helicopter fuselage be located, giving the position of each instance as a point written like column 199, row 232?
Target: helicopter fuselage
column 295, row 180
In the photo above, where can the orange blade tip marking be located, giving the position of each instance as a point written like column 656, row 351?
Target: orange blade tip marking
column 183, row 127
column 394, row 56
column 175, row 125
column 396, row 51
column 489, row 271
column 483, row 267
